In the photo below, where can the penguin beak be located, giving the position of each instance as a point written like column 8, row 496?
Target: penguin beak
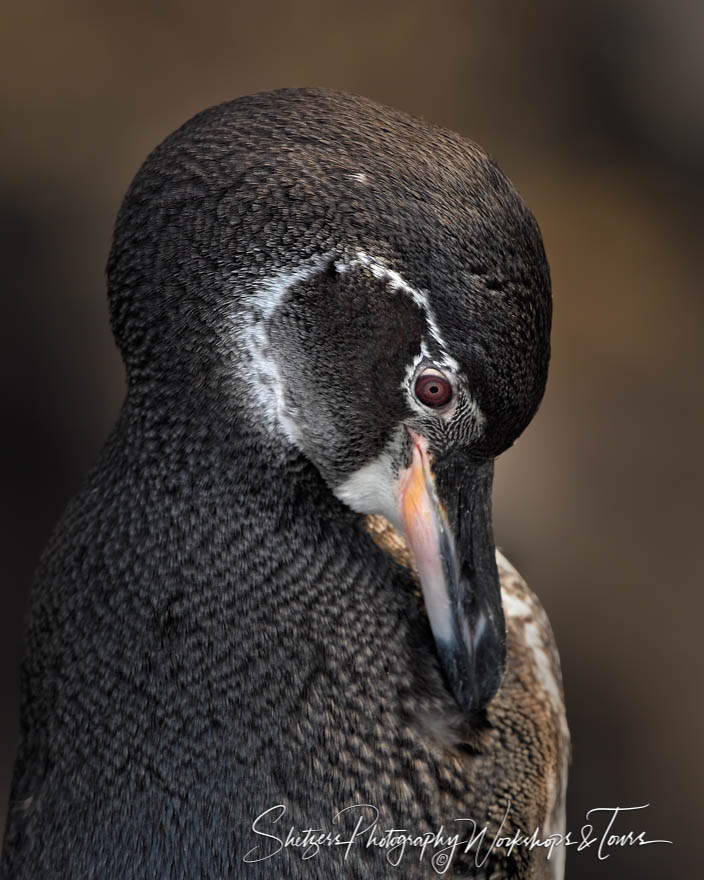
column 446, row 513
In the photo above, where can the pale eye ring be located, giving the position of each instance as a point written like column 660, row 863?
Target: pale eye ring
column 433, row 389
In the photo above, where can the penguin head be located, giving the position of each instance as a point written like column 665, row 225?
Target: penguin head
column 368, row 289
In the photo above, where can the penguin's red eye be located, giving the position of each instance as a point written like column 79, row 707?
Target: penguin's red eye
column 433, row 390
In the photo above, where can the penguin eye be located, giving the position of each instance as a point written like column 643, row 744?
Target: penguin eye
column 433, row 390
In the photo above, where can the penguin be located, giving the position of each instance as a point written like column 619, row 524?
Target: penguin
column 271, row 636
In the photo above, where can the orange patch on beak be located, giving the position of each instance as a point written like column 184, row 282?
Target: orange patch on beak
column 425, row 525
column 415, row 503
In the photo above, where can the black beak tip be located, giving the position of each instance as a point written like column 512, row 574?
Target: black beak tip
column 474, row 677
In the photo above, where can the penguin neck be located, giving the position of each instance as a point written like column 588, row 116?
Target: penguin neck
column 242, row 492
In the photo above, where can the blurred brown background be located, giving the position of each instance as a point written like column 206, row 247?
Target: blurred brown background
column 596, row 111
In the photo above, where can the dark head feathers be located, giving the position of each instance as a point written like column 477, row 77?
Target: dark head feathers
column 269, row 181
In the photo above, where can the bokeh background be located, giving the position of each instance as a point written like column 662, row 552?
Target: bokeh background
column 596, row 111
